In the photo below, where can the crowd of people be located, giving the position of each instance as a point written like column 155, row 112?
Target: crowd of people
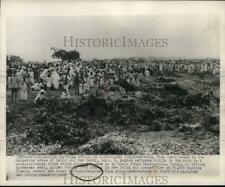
column 95, row 77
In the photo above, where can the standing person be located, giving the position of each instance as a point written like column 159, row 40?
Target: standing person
column 36, row 73
column 14, row 87
column 86, row 86
column 91, row 84
column 161, row 67
column 23, row 91
column 76, row 81
column 19, row 76
column 147, row 73
column 31, row 75
column 49, row 85
column 27, row 81
column 71, row 74
column 101, row 83
column 44, row 75
column 66, row 82
column 55, row 79
column 9, row 74
column 81, row 89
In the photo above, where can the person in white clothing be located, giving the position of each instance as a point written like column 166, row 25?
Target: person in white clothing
column 44, row 75
column 55, row 79
column 40, row 97
column 23, row 91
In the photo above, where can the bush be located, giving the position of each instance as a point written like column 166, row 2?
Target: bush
column 122, row 113
column 92, row 107
column 175, row 89
column 164, row 80
column 210, row 122
column 197, row 100
column 126, row 85
column 58, row 122
column 113, row 144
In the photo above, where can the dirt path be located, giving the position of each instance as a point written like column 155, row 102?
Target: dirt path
column 172, row 142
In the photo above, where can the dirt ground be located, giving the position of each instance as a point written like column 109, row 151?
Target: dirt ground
column 167, row 121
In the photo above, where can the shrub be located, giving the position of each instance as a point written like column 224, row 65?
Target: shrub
column 126, row 85
column 58, row 122
column 197, row 100
column 111, row 144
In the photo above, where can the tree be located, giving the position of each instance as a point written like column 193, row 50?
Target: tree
column 14, row 59
column 64, row 55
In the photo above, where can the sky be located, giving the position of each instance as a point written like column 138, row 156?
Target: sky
column 188, row 36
